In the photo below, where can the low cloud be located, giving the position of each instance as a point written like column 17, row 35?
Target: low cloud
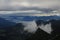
column 47, row 28
column 30, row 26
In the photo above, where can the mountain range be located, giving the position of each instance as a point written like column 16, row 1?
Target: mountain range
column 17, row 18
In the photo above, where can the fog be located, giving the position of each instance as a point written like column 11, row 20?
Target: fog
column 32, row 27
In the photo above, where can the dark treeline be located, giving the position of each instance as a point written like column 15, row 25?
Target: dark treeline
column 15, row 32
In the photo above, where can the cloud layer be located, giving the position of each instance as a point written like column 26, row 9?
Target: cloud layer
column 40, row 5
column 30, row 26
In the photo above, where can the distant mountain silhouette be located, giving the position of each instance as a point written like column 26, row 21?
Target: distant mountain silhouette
column 17, row 18
column 5, row 23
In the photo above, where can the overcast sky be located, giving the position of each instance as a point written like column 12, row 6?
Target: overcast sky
column 35, row 5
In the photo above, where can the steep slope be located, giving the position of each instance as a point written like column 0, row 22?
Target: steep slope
column 39, row 35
